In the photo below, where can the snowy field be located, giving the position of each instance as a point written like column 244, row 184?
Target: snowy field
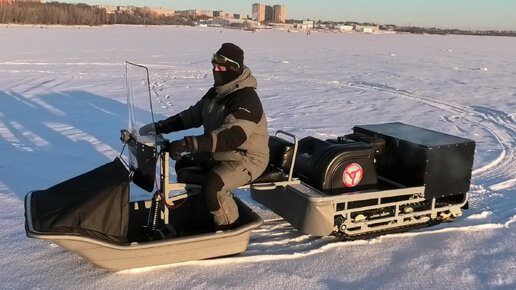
column 63, row 102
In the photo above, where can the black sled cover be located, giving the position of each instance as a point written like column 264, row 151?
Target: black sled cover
column 94, row 204
column 145, row 166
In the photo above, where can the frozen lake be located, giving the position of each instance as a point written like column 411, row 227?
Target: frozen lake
column 63, row 102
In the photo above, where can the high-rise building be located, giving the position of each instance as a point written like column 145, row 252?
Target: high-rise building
column 269, row 13
column 264, row 13
column 280, row 13
column 258, row 12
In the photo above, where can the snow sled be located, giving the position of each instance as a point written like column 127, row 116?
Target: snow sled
column 378, row 179
column 92, row 215
column 133, row 248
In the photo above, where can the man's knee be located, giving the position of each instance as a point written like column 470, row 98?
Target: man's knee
column 219, row 200
column 211, row 186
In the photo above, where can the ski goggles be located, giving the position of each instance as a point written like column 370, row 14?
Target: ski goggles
column 220, row 59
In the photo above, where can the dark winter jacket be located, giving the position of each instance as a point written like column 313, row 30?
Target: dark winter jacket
column 235, row 127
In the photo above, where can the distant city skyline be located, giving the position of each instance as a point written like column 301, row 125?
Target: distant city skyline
column 461, row 14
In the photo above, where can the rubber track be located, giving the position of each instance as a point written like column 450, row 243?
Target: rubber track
column 375, row 234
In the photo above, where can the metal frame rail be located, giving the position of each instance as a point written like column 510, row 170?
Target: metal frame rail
column 412, row 210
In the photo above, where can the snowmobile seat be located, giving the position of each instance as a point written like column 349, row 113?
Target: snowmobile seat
column 281, row 154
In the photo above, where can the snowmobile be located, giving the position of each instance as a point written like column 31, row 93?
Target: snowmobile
column 378, row 179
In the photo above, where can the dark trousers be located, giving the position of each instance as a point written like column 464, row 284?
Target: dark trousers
column 218, row 180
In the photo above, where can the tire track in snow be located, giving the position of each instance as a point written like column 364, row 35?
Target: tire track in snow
column 279, row 237
column 503, row 129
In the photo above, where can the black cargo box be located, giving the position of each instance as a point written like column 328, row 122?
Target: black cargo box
column 415, row 156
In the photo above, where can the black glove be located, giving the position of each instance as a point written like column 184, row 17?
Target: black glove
column 175, row 148
column 147, row 129
column 151, row 128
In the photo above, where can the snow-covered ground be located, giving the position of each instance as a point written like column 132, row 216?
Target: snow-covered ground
column 63, row 102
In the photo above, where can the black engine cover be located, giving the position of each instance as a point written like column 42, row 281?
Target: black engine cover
column 336, row 168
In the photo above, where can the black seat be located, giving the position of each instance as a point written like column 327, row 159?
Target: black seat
column 191, row 175
column 271, row 174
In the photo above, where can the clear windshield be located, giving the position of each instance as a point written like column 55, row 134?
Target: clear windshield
column 140, row 105
column 142, row 154
column 139, row 100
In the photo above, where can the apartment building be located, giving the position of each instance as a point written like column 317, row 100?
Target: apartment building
column 266, row 13
column 280, row 13
column 258, row 12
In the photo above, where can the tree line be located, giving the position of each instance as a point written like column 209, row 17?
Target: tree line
column 421, row 30
column 55, row 13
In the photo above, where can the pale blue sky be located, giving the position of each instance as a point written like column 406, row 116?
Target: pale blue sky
column 463, row 14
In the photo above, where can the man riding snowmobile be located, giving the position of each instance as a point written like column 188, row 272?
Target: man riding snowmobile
column 233, row 150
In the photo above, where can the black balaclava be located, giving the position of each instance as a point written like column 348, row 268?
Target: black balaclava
column 232, row 72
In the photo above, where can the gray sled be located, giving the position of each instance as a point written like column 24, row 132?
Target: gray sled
column 115, row 256
column 91, row 215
